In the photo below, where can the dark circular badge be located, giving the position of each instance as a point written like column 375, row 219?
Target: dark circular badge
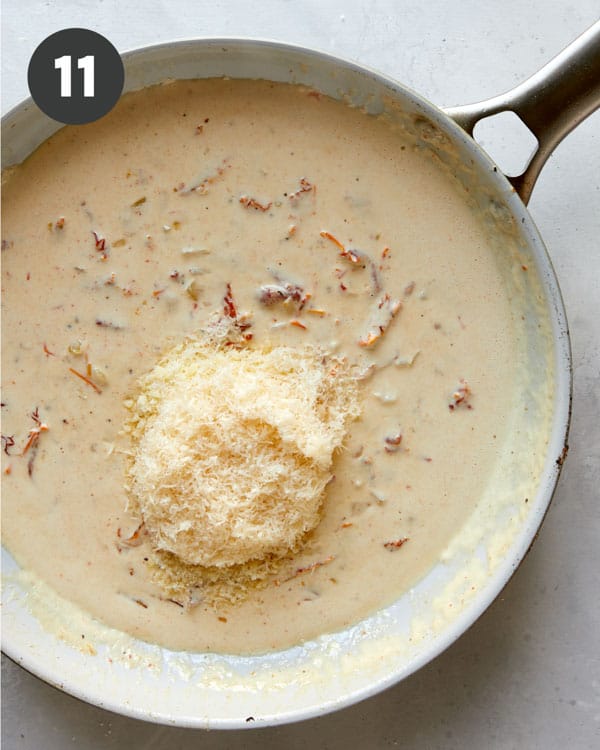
column 75, row 76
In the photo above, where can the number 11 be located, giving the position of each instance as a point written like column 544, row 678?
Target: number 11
column 83, row 63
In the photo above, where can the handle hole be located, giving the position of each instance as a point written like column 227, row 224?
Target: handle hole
column 507, row 140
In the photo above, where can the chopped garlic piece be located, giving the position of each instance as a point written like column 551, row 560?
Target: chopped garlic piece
column 382, row 314
column 406, row 361
column 195, row 251
column 386, row 398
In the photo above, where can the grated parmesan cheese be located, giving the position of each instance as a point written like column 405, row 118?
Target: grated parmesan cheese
column 232, row 449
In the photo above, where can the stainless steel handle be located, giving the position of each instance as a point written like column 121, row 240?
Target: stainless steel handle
column 551, row 102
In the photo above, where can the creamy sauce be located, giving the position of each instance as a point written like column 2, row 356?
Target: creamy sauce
column 196, row 185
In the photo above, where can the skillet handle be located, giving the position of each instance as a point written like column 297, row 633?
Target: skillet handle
column 551, row 102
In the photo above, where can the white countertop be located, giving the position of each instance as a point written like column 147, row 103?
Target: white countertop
column 527, row 674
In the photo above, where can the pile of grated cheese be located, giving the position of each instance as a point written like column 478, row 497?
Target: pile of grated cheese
column 231, row 452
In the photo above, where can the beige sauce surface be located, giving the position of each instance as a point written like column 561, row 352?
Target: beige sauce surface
column 195, row 185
